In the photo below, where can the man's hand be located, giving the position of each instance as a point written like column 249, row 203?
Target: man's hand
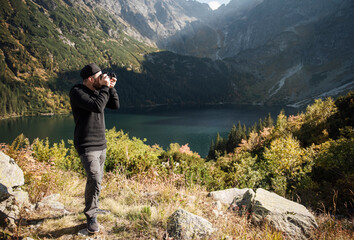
column 104, row 80
column 112, row 82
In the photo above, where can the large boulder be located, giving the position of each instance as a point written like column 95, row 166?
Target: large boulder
column 11, row 175
column 287, row 216
column 12, row 198
column 228, row 196
column 185, row 225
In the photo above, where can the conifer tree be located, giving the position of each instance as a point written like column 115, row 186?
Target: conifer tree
column 232, row 139
column 268, row 121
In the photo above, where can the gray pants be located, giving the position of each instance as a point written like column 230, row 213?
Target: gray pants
column 93, row 163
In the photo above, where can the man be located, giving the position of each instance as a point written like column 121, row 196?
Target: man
column 88, row 101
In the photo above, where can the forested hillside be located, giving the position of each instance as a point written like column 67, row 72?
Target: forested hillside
column 44, row 44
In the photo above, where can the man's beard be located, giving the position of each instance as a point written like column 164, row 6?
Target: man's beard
column 96, row 84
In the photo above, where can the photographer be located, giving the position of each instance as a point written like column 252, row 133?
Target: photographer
column 88, row 101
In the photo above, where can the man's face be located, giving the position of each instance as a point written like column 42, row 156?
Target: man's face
column 96, row 82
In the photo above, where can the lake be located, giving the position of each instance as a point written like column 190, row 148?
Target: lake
column 195, row 126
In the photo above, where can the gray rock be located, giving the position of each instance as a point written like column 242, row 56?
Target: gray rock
column 9, row 212
column 12, row 198
column 228, row 196
column 11, row 207
column 284, row 215
column 245, row 203
column 21, row 197
column 51, row 202
column 184, row 225
column 4, row 192
column 11, row 175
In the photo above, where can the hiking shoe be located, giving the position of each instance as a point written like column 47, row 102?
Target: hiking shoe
column 102, row 211
column 92, row 225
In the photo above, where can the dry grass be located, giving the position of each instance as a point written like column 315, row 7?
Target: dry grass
column 139, row 209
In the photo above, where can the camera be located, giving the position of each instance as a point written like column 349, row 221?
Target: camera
column 110, row 75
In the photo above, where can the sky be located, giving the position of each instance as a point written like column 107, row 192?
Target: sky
column 214, row 4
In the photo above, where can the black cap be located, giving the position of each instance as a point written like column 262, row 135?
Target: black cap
column 89, row 70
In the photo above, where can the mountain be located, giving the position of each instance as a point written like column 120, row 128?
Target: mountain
column 45, row 43
column 249, row 51
column 293, row 51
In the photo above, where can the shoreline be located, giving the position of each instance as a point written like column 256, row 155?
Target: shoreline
column 160, row 107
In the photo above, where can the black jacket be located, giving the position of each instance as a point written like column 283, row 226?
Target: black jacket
column 88, row 110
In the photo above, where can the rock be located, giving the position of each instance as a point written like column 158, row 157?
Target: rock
column 9, row 212
column 11, row 207
column 21, row 197
column 11, row 175
column 12, row 198
column 52, row 203
column 284, row 215
column 4, row 192
column 228, row 195
column 244, row 204
column 184, row 225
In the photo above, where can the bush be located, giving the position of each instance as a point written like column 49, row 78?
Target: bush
column 130, row 156
column 315, row 127
column 181, row 160
column 44, row 153
column 286, row 163
column 242, row 170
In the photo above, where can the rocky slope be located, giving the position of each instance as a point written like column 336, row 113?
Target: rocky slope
column 256, row 39
column 292, row 51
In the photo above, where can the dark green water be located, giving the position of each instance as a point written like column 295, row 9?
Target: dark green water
column 197, row 126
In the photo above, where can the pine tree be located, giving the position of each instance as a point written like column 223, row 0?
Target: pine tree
column 211, row 153
column 268, row 121
column 232, row 139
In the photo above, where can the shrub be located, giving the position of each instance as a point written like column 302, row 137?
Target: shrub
column 242, row 170
column 286, row 163
column 181, row 160
column 315, row 125
column 44, row 153
column 131, row 156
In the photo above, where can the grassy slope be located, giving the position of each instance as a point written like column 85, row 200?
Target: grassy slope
column 139, row 208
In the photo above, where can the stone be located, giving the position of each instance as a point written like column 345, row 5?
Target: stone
column 244, row 204
column 4, row 192
column 52, row 203
column 12, row 198
column 227, row 196
column 185, row 225
column 286, row 216
column 9, row 212
column 11, row 175
column 21, row 197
